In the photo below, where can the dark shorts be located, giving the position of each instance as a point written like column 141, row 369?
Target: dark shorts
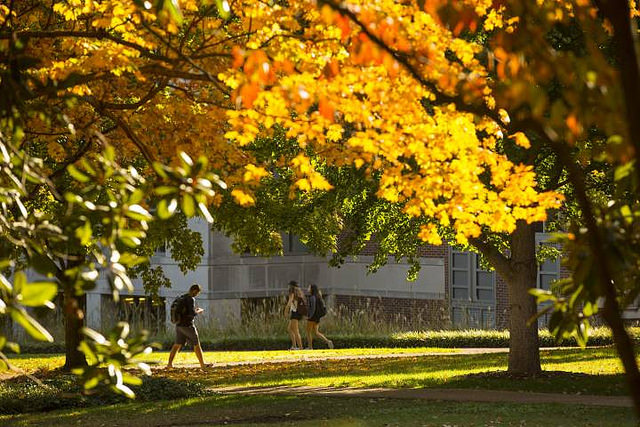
column 295, row 316
column 187, row 333
column 314, row 319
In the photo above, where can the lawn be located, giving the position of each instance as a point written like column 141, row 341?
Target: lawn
column 590, row 371
column 34, row 362
column 327, row 411
column 188, row 397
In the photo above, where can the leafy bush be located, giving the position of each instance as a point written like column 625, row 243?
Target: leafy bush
column 443, row 339
column 63, row 391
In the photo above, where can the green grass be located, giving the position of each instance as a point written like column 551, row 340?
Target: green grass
column 34, row 362
column 592, row 371
column 325, row 411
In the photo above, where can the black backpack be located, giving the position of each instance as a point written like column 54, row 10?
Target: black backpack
column 321, row 309
column 302, row 307
column 177, row 308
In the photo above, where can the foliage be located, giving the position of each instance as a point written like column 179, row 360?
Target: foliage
column 61, row 391
column 108, row 358
column 252, row 346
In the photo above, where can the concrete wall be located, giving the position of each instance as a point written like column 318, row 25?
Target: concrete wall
column 226, row 278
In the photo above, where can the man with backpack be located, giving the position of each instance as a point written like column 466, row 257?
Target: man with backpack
column 183, row 311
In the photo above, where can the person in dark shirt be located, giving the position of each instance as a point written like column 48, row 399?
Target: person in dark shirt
column 315, row 314
column 185, row 329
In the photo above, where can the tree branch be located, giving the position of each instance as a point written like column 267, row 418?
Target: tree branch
column 497, row 259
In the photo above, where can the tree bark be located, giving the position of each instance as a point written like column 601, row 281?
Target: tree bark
column 74, row 320
column 624, row 345
column 520, row 272
column 524, row 346
column 73, row 323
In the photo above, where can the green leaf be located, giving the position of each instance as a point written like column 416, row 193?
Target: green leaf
column 623, row 171
column 186, row 159
column 5, row 284
column 138, row 213
column 188, row 205
column 205, row 212
column 77, row 174
column 95, row 336
column 36, row 294
column 92, row 359
column 91, row 383
column 224, row 10
column 33, row 328
column 13, row 346
column 136, row 197
column 131, row 260
column 123, row 389
column 84, row 233
column 166, row 210
column 72, row 198
column 19, row 281
column 172, row 7
column 132, row 242
column 131, row 379
column 165, row 190
column 159, row 168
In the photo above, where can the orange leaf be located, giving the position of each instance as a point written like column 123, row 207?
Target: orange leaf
column 248, row 94
column 325, row 109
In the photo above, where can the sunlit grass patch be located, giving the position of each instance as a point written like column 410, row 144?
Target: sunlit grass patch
column 594, row 371
column 35, row 362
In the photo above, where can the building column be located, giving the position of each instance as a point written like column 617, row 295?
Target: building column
column 94, row 311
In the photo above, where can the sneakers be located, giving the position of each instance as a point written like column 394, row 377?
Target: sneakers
column 294, row 348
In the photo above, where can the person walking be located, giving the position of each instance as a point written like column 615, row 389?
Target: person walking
column 317, row 309
column 186, row 311
column 295, row 309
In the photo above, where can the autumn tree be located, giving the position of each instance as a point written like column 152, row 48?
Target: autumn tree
column 71, row 72
column 398, row 57
column 387, row 99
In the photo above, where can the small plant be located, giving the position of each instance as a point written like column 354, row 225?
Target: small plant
column 107, row 359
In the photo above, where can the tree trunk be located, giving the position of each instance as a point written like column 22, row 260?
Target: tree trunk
column 520, row 272
column 74, row 320
column 624, row 346
column 524, row 346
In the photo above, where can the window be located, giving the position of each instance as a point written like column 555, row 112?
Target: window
column 161, row 250
column 291, row 245
column 469, row 281
column 548, row 272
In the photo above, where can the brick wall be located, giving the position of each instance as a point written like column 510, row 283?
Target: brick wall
column 502, row 303
column 407, row 311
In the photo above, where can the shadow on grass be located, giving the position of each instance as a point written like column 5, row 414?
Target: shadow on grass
column 485, row 371
column 328, row 411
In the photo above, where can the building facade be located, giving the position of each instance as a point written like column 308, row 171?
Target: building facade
column 452, row 289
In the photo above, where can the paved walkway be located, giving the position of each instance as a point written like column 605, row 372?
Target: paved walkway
column 452, row 394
